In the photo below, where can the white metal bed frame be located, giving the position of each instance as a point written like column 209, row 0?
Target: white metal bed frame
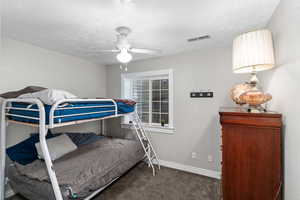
column 150, row 153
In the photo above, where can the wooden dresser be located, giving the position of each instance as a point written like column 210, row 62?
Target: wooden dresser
column 251, row 155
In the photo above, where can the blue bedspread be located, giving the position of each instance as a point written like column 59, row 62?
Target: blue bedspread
column 122, row 109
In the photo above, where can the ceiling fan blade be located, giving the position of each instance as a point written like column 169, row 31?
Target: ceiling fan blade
column 109, row 51
column 144, row 51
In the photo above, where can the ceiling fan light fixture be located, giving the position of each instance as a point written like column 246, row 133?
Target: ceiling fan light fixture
column 124, row 56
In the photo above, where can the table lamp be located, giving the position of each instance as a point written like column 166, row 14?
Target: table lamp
column 253, row 52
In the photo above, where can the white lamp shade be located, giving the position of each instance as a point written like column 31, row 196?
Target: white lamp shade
column 253, row 52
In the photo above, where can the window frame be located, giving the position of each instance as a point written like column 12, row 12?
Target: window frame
column 150, row 75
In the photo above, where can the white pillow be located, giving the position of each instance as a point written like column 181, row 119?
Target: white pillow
column 1, row 101
column 58, row 147
column 49, row 96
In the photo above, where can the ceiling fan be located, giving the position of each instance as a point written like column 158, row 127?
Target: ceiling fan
column 123, row 47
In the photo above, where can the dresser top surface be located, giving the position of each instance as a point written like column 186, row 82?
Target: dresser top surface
column 244, row 112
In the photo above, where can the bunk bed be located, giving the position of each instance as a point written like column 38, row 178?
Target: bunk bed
column 32, row 112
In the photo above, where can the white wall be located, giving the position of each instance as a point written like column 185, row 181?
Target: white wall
column 25, row 65
column 196, row 120
column 284, row 84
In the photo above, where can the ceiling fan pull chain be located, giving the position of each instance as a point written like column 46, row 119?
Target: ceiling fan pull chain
column 126, row 69
column 121, row 67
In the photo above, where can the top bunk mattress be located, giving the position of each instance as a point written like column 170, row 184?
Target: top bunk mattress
column 71, row 111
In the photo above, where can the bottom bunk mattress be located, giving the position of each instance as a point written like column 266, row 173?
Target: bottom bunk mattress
column 85, row 170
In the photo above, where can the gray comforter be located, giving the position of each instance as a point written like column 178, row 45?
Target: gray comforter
column 89, row 167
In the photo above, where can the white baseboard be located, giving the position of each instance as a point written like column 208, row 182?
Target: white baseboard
column 191, row 169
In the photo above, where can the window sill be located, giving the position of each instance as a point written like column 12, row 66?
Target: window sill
column 155, row 129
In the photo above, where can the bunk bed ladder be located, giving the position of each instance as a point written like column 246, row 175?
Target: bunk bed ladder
column 145, row 142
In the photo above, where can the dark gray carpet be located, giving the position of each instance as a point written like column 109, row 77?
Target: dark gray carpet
column 169, row 184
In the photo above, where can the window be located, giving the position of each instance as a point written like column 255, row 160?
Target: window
column 153, row 92
column 152, row 97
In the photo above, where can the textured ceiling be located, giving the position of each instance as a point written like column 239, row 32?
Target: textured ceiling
column 83, row 27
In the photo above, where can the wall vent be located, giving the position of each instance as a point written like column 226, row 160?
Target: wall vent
column 198, row 38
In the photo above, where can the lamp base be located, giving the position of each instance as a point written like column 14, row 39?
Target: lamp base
column 254, row 80
column 256, row 109
column 249, row 93
column 255, row 98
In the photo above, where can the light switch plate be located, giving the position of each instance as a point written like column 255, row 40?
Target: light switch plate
column 202, row 95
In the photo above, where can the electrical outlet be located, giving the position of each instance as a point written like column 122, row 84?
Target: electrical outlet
column 194, row 155
column 210, row 158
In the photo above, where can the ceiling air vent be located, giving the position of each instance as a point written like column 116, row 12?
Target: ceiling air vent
column 198, row 38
